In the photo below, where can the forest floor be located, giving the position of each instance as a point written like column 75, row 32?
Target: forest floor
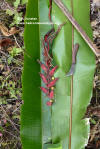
column 11, row 66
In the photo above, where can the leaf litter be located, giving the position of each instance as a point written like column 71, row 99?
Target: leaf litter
column 11, row 65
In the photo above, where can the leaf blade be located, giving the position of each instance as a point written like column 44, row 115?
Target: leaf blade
column 31, row 129
column 82, row 76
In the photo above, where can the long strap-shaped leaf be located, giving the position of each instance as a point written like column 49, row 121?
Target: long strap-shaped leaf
column 82, row 80
column 31, row 121
column 35, row 117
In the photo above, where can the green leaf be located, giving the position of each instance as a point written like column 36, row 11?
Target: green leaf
column 16, row 3
column 17, row 16
column 31, row 134
column 10, row 12
column 15, row 51
column 56, row 148
column 82, row 79
column 93, row 121
column 24, row 1
column 46, row 111
column 31, row 110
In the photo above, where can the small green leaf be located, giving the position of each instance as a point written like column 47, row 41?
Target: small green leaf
column 17, row 18
column 16, row 3
column 1, row 128
column 10, row 59
column 24, row 1
column 93, row 121
column 15, row 51
column 10, row 12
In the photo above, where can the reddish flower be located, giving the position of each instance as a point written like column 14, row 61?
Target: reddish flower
column 46, row 91
column 42, row 66
column 43, row 78
column 49, row 103
column 45, row 53
column 51, row 73
column 50, row 7
column 48, row 63
column 52, row 83
column 48, row 78
column 51, row 94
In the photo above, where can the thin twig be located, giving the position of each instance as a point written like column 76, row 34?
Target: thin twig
column 17, row 108
column 16, row 41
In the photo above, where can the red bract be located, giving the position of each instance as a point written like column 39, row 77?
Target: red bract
column 46, row 91
column 48, row 63
column 42, row 66
column 52, row 83
column 50, row 7
column 46, row 38
column 45, row 53
column 47, row 35
column 51, row 95
column 49, row 103
column 49, row 70
column 46, row 44
column 51, row 73
column 43, row 78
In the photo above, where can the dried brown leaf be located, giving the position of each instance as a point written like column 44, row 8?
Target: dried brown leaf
column 1, row 66
column 4, row 30
column 6, row 42
column 7, row 32
column 10, row 49
column 13, row 31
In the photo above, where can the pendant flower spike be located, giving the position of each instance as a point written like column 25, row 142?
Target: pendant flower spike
column 47, row 65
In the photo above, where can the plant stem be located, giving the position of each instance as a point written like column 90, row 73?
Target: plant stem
column 71, row 97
